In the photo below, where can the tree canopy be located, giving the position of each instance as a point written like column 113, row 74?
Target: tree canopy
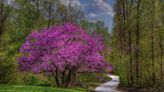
column 62, row 51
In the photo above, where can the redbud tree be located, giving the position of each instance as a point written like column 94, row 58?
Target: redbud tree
column 62, row 51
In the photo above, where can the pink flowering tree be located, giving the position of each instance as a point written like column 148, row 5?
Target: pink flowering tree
column 62, row 51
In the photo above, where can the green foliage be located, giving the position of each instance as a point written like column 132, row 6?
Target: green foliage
column 34, row 80
column 14, row 88
column 119, row 61
column 137, row 42
column 24, row 17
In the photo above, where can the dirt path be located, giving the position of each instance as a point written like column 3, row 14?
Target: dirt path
column 110, row 86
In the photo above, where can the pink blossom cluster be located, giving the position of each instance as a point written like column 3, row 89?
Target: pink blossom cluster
column 60, row 47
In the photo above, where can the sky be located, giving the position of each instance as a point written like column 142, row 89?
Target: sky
column 96, row 10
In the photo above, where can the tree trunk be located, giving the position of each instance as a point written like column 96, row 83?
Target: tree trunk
column 49, row 14
column 57, row 78
column 130, row 59
column 137, row 49
column 152, row 44
column 161, row 56
column 70, row 73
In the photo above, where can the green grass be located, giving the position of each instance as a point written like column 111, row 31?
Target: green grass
column 14, row 88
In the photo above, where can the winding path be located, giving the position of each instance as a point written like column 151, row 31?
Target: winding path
column 110, row 86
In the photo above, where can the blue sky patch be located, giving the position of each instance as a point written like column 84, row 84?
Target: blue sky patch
column 96, row 10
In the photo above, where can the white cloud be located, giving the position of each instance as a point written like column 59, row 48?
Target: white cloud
column 95, row 10
column 92, row 15
column 105, row 7
column 71, row 2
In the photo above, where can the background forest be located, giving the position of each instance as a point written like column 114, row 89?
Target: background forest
column 136, row 41
column 21, row 17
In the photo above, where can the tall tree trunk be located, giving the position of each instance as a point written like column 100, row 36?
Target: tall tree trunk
column 130, row 46
column 130, row 58
column 4, row 13
column 1, row 22
column 49, row 13
column 161, row 56
column 124, row 9
column 137, row 49
column 152, row 43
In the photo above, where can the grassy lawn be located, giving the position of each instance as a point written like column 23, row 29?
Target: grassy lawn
column 14, row 88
